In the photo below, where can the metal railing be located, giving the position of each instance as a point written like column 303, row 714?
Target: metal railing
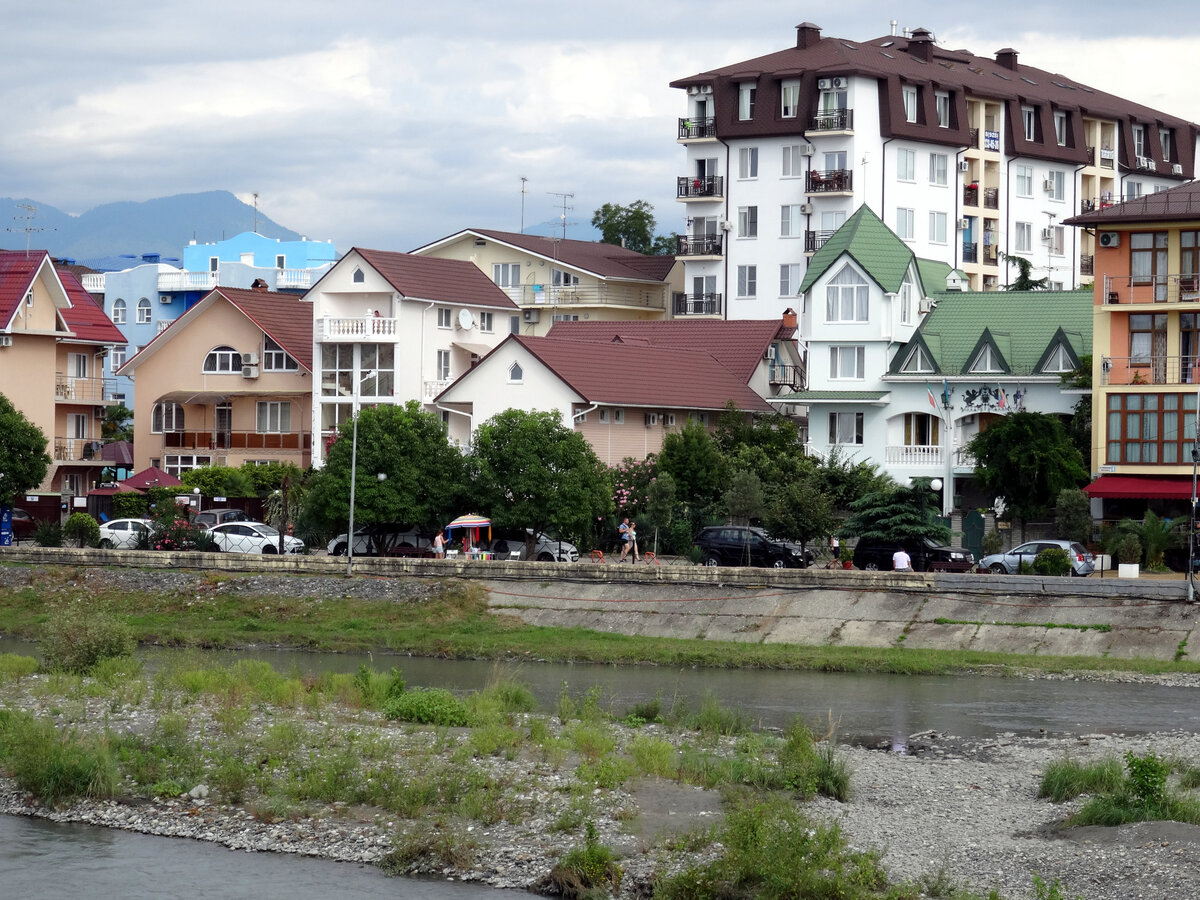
column 604, row 294
column 815, row 240
column 699, row 245
column 696, row 304
column 991, row 198
column 1150, row 370
column 835, row 120
column 792, row 376
column 708, row 186
column 971, row 195
column 1151, row 289
column 78, row 449
column 831, row 181
column 1087, row 264
column 359, row 328
column 236, row 440
column 83, row 390
column 970, row 253
column 974, row 138
column 692, row 127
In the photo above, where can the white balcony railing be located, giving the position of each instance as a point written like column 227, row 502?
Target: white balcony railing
column 914, row 455
column 187, row 281
column 93, row 282
column 433, row 388
column 361, row 328
column 286, row 279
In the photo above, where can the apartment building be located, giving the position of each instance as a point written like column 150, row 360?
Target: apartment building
column 969, row 159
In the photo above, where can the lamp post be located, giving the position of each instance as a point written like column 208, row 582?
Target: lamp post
column 370, row 373
column 948, row 424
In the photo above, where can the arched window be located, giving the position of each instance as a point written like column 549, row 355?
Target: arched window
column 223, row 360
column 166, row 417
column 118, row 312
column 846, row 297
column 143, row 311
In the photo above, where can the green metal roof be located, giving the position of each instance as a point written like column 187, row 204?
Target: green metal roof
column 934, row 273
column 831, row 397
column 871, row 244
column 1020, row 324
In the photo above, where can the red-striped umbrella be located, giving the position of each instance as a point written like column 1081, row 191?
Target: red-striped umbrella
column 473, row 522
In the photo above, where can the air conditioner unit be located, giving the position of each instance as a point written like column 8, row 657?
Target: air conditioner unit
column 166, row 298
column 806, row 209
column 5, row 340
column 651, row 419
column 726, row 225
column 1176, row 169
column 807, row 149
column 1110, row 239
column 1047, row 234
column 1048, row 184
column 840, row 84
column 706, row 88
column 693, row 90
column 825, row 84
column 249, row 371
column 925, row 305
column 771, row 352
column 249, row 359
column 531, row 316
column 964, row 224
column 963, row 165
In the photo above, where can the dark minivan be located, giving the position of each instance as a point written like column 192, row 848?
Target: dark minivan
column 926, row 555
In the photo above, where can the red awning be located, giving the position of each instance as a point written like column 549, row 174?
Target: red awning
column 1140, row 487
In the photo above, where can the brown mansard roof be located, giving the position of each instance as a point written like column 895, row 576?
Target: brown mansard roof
column 1179, row 204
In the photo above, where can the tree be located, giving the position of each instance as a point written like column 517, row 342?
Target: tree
column 800, row 512
column 691, row 457
column 117, row 424
column 1073, row 515
column 631, row 226
column 1155, row 535
column 1024, row 280
column 1026, row 459
column 219, row 481
column 423, row 473
column 844, row 481
column 744, row 498
column 532, row 471
column 1079, row 426
column 23, row 457
column 897, row 515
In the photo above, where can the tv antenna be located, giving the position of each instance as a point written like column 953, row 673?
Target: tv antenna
column 255, row 195
column 524, row 180
column 565, row 209
column 29, row 228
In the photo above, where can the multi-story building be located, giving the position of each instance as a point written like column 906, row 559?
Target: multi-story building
column 1146, row 361
column 559, row 280
column 968, row 159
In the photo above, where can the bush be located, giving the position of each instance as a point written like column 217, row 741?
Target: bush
column 76, row 638
column 48, row 534
column 993, row 543
column 587, row 871
column 1129, row 549
column 129, row 505
column 428, row 706
column 1066, row 779
column 82, row 528
column 1052, row 561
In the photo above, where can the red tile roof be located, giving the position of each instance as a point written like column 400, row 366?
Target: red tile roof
column 738, row 345
column 641, row 375
column 427, row 278
column 285, row 318
column 151, row 477
column 85, row 317
column 607, row 260
column 17, row 271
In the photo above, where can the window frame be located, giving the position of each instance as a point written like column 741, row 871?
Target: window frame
column 747, row 282
column 222, row 359
column 841, row 355
column 747, row 163
column 853, row 426
column 747, row 96
column 747, row 225
column 119, row 311
column 145, row 313
column 906, row 165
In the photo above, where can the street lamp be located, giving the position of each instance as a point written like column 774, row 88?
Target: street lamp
column 370, row 373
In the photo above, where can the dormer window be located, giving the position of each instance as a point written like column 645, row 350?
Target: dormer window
column 790, row 94
column 918, row 362
column 987, row 362
column 746, row 94
column 909, row 94
column 359, row 276
column 1139, row 140
column 943, row 108
column 1060, row 127
column 1165, row 137
column 1029, row 122
column 1059, row 361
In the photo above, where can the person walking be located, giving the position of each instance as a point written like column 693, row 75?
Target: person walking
column 623, row 531
column 633, row 541
column 439, row 546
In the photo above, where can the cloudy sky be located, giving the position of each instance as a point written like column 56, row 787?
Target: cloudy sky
column 388, row 125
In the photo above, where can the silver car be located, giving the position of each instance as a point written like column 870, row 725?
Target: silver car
column 1082, row 562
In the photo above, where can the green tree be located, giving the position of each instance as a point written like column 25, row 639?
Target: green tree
column 800, row 512
column 700, row 472
column 23, row 457
column 1024, row 280
column 1079, row 426
column 898, row 514
column 117, row 424
column 424, row 473
column 632, row 226
column 1026, row 459
column 744, row 498
column 269, row 478
column 532, row 471
column 844, row 481
column 219, row 481
column 767, row 445
column 1156, row 535
column 1073, row 515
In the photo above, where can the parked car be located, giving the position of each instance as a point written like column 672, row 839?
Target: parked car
column 742, row 545
column 207, row 518
column 124, row 534
column 546, row 548
column 23, row 525
column 927, row 555
column 252, row 537
column 384, row 539
column 1082, row 562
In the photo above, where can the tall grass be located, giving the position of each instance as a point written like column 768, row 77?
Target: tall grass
column 55, row 767
column 1066, row 779
column 76, row 638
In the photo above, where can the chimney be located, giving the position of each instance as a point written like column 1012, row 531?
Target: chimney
column 920, row 45
column 1007, row 58
column 789, row 319
column 259, row 285
column 807, row 35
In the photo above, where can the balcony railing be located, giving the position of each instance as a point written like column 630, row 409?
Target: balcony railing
column 432, row 387
column 1151, row 289
column 236, row 440
column 708, row 186
column 836, row 120
column 1103, row 202
column 78, row 450
column 791, row 376
column 692, row 128
column 974, row 138
column 83, row 390
column 365, row 329
column 1087, row 264
column 1150, row 370
column 815, row 240
column 699, row 245
column 970, row 253
column 991, row 198
column 286, row 279
column 696, row 305
column 93, row 282
column 831, row 181
column 603, row 294
column 971, row 195
column 915, row 455
column 187, row 281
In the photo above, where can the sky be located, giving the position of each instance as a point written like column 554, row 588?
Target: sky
column 390, row 125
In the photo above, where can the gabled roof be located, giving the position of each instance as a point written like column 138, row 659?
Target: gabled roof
column 151, row 477
column 1021, row 325
column 1179, row 204
column 738, row 345
column 427, row 278
column 601, row 260
column 998, row 344
column 85, row 317
column 18, row 271
column 870, row 243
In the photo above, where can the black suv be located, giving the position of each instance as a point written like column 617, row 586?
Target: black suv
column 740, row 545
column 926, row 555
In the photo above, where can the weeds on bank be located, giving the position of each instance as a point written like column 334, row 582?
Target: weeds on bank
column 57, row 767
column 586, row 872
column 1138, row 794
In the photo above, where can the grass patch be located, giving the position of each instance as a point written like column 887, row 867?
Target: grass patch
column 590, row 871
column 14, row 666
column 1066, row 779
column 55, row 767
column 1141, row 795
column 428, row 706
column 1103, row 629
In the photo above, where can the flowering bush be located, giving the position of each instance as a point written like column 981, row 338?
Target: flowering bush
column 631, row 481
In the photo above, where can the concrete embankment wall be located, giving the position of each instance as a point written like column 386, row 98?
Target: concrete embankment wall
column 1005, row 614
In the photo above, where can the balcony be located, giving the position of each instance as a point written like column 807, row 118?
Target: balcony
column 1149, row 370
column 699, row 245
column 991, row 198
column 815, row 240
column 914, row 455
column 1087, row 264
column 691, row 129
column 833, row 181
column 294, row 279
column 604, row 294
column 1137, row 289
column 236, row 440
column 792, row 377
column 709, row 187
column 970, row 253
column 971, row 195
column 187, row 281
column 68, row 389
column 696, row 305
column 77, row 450
column 1104, row 202
column 431, row 387
column 360, row 329
column 835, row 120
column 93, row 282
column 974, row 145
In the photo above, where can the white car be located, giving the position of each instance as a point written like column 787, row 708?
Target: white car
column 252, row 537
column 124, row 534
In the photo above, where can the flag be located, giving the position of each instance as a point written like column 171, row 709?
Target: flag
column 932, row 399
column 945, row 393
column 1001, row 400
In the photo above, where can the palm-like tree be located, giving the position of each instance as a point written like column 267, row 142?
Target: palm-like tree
column 1156, row 534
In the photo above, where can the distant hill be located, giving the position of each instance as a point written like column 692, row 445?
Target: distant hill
column 163, row 226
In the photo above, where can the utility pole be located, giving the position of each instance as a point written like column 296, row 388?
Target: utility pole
column 256, row 212
column 565, row 208
column 29, row 228
column 524, row 180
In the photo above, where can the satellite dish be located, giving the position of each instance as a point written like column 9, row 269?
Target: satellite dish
column 465, row 320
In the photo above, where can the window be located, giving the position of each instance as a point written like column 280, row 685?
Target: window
column 1060, row 127
column 937, row 227
column 832, row 221
column 118, row 312
column 166, row 417
column 747, row 281
column 789, row 279
column 143, row 311
column 1059, row 361
column 847, row 363
column 790, row 222
column 507, row 274
column 793, row 162
column 918, row 362
column 1139, row 140
column 1166, row 137
column 377, row 369
column 905, row 227
column 214, row 264
column 938, row 163
column 359, row 276
column 1029, row 121
column 846, row 297
column 943, row 108
column 746, row 92
column 1058, row 240
column 987, row 361
column 274, row 417
column 1056, row 182
column 223, row 360
column 276, row 359
column 835, row 161
column 906, row 165
column 177, row 465
column 604, row 416
column 515, row 374
column 77, row 426
column 442, row 366
column 337, row 370
column 845, row 428
column 1024, row 178
column 747, row 221
column 748, row 162
column 445, row 317
column 485, row 322
column 922, row 430
column 906, row 302
column 790, row 93
column 1023, row 237
column 909, row 94
column 514, row 324
column 1147, row 337
column 1148, row 261
column 1133, row 190
column 1151, row 428
column 618, row 416
column 118, row 356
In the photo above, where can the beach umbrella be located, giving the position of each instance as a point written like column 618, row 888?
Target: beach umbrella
column 473, row 523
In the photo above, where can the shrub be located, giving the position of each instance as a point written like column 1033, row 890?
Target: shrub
column 376, row 688
column 82, row 528
column 1147, row 779
column 76, row 638
column 428, row 706
column 48, row 534
column 56, row 768
column 1128, row 549
column 1052, row 561
column 993, row 543
column 14, row 666
column 130, row 505
column 1066, row 779
column 587, row 871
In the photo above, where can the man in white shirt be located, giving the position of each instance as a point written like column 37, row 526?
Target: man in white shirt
column 901, row 561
